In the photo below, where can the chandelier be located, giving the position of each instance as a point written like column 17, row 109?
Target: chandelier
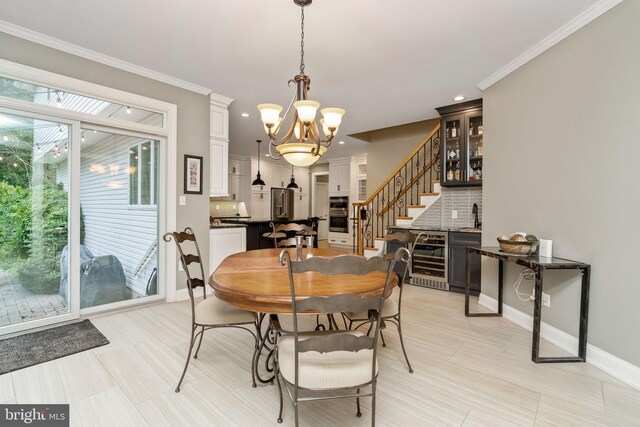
column 303, row 143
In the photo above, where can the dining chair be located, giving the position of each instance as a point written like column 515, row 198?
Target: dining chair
column 210, row 313
column 336, row 364
column 283, row 234
column 392, row 311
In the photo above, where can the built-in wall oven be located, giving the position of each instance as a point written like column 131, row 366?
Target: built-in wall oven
column 339, row 214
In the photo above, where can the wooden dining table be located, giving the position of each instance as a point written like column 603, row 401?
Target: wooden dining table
column 256, row 281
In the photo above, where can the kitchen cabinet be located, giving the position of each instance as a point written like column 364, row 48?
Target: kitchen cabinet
column 301, row 205
column 458, row 243
column 303, row 180
column 219, row 145
column 462, row 137
column 339, row 240
column 236, row 188
column 224, row 242
column 236, row 167
column 218, row 170
column 284, row 174
column 260, row 207
column 339, row 178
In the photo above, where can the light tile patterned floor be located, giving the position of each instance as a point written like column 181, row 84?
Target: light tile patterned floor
column 468, row 372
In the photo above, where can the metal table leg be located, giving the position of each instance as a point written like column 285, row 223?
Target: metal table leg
column 467, row 266
column 537, row 321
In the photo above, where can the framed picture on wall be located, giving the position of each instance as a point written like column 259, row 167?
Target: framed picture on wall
column 192, row 174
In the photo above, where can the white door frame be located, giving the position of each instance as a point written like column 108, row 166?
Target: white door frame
column 73, row 213
column 314, row 178
column 168, row 186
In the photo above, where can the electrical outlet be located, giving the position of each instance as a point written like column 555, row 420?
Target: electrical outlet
column 546, row 300
column 182, row 201
column 454, row 214
column 180, row 266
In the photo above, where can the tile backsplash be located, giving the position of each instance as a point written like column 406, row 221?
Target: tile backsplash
column 222, row 208
column 458, row 199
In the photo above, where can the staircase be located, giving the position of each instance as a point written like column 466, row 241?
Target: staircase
column 409, row 191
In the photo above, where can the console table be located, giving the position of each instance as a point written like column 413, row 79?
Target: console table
column 538, row 264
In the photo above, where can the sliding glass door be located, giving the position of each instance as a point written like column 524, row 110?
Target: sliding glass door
column 34, row 220
column 83, row 197
column 119, row 198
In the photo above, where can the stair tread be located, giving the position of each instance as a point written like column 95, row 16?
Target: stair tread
column 417, row 206
column 429, row 194
column 404, row 217
column 380, row 239
column 370, row 248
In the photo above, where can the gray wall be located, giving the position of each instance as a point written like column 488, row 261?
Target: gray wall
column 193, row 118
column 389, row 147
column 561, row 161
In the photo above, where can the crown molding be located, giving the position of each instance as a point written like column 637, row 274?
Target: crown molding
column 220, row 100
column 557, row 36
column 43, row 39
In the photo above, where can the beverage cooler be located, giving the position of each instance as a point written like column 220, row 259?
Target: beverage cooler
column 430, row 261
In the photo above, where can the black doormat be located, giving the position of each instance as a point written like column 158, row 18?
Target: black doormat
column 42, row 346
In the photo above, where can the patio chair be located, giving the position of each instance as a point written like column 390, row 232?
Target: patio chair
column 326, row 365
column 392, row 311
column 210, row 313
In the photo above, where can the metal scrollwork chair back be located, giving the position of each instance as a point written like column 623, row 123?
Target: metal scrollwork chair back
column 332, row 364
column 211, row 312
column 393, row 308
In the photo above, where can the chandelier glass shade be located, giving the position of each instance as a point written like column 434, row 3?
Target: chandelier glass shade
column 303, row 142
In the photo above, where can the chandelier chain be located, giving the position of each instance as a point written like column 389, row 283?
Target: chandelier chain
column 302, row 40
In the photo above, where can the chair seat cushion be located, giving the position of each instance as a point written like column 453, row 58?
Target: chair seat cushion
column 389, row 308
column 212, row 311
column 322, row 371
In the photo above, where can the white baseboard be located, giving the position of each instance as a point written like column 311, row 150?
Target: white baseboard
column 183, row 294
column 612, row 365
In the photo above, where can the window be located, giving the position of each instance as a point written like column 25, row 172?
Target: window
column 44, row 95
column 143, row 173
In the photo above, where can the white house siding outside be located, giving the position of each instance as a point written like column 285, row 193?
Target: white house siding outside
column 113, row 226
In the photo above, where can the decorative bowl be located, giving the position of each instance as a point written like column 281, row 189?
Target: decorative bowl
column 513, row 247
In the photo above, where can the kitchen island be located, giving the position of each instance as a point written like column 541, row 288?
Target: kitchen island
column 256, row 227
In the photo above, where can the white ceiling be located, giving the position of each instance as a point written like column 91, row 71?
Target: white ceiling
column 386, row 62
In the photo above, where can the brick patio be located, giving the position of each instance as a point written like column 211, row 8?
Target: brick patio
column 18, row 305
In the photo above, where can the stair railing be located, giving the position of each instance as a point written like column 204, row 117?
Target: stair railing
column 398, row 192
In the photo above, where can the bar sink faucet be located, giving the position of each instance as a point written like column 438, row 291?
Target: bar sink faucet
column 474, row 211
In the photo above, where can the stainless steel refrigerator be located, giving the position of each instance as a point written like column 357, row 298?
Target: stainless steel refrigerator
column 282, row 203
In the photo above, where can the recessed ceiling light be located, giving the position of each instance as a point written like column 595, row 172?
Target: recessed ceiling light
column 245, row 114
column 267, row 155
column 340, row 142
column 458, row 98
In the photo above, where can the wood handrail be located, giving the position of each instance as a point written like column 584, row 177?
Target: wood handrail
column 403, row 164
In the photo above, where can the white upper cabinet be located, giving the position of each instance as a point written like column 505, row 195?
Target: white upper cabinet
column 219, row 145
column 339, row 178
column 219, row 166
column 236, row 167
column 284, row 175
column 303, row 180
column 219, row 121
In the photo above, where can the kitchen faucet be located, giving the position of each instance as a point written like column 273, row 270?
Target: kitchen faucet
column 474, row 211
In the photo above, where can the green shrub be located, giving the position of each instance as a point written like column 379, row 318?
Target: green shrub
column 37, row 276
column 15, row 221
